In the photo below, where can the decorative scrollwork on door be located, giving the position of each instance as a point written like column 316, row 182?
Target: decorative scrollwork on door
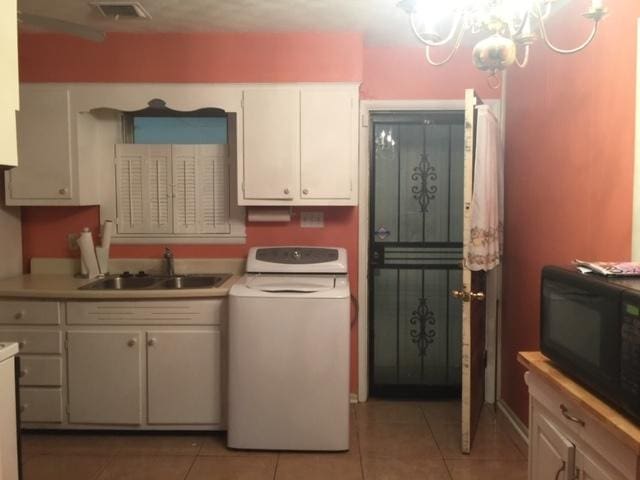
column 423, row 192
column 421, row 317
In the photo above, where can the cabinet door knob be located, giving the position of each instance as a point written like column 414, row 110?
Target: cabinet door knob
column 23, row 372
column 286, row 191
column 152, row 342
column 63, row 191
column 20, row 315
column 22, row 344
column 305, row 191
column 132, row 342
column 23, row 407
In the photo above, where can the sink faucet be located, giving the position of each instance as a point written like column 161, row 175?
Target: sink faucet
column 169, row 268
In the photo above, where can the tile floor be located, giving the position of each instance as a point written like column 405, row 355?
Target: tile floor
column 389, row 441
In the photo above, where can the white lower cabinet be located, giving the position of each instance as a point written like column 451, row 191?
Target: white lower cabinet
column 568, row 443
column 36, row 326
column 105, row 377
column 145, row 364
column 174, row 375
column 8, row 438
column 184, row 377
column 590, row 469
column 134, row 364
column 554, row 452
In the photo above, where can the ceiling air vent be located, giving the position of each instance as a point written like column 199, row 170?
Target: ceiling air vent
column 118, row 10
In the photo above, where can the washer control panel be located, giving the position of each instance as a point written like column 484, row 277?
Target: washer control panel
column 302, row 255
column 297, row 260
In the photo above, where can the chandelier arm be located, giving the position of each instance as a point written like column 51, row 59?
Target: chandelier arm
column 521, row 28
column 451, row 54
column 525, row 59
column 454, row 28
column 543, row 32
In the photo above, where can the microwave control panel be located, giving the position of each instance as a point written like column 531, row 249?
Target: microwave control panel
column 630, row 349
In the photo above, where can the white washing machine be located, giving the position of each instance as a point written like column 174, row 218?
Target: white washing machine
column 289, row 351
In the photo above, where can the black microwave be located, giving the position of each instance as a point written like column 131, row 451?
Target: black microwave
column 590, row 328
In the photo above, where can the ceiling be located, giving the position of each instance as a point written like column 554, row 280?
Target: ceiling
column 381, row 22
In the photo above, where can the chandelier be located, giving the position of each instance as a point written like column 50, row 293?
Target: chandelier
column 512, row 27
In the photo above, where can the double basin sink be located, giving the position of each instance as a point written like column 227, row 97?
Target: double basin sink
column 157, row 282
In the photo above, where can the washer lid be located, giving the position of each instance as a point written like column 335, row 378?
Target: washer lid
column 291, row 283
column 297, row 260
column 291, row 286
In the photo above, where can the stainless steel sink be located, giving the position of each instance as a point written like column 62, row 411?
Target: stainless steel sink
column 118, row 282
column 191, row 282
column 122, row 283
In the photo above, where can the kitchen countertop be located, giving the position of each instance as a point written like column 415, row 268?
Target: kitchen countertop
column 66, row 287
column 8, row 350
column 616, row 423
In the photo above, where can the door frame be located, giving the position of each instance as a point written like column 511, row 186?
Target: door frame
column 635, row 231
column 367, row 107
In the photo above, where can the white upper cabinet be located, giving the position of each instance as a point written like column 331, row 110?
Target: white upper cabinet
column 271, row 143
column 9, row 100
column 44, row 147
column 300, row 145
column 329, row 144
column 49, row 171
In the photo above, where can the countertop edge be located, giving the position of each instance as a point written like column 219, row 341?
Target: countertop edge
column 9, row 350
column 613, row 421
column 37, row 287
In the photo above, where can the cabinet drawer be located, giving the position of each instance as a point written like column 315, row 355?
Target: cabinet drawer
column 34, row 341
column 40, row 371
column 30, row 312
column 41, row 405
column 175, row 312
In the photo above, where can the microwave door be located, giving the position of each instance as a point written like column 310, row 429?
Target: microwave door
column 580, row 327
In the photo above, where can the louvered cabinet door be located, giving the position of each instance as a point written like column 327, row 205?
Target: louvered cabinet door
column 185, row 196
column 143, row 188
column 158, row 180
column 213, row 189
column 201, row 189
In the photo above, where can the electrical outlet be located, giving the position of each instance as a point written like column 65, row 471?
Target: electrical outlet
column 72, row 242
column 312, row 219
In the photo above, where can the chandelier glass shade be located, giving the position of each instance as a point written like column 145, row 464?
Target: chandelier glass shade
column 511, row 26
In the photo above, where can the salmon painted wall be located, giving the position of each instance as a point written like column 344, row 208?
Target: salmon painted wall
column 385, row 73
column 399, row 73
column 206, row 57
column 568, row 171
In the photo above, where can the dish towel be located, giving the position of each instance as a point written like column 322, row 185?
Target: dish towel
column 485, row 245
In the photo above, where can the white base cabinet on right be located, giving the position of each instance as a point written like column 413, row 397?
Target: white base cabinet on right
column 567, row 441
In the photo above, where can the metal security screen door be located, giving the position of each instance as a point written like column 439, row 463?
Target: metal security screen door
column 415, row 253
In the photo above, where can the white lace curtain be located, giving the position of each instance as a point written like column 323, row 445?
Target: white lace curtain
column 487, row 211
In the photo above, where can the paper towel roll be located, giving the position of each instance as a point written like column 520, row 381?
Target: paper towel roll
column 105, row 234
column 88, row 254
column 260, row 214
column 102, row 255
